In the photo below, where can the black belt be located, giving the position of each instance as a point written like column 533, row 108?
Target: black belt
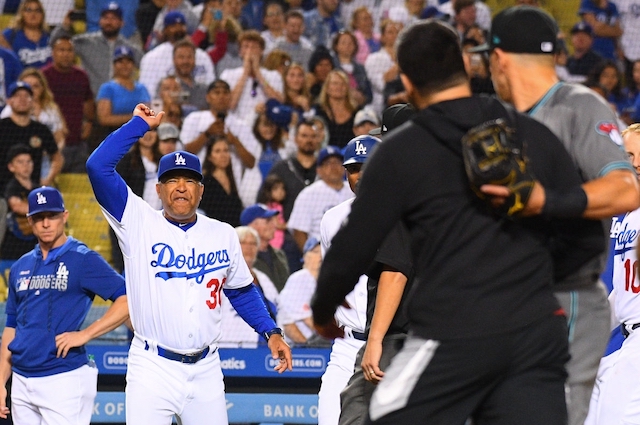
column 360, row 336
column 183, row 358
column 624, row 330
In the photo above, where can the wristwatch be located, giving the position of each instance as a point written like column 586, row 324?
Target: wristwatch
column 274, row 331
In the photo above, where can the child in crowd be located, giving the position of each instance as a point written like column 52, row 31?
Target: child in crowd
column 19, row 238
column 272, row 195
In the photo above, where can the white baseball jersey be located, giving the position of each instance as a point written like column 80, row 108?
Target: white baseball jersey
column 252, row 93
column 236, row 333
column 344, row 350
column 625, row 267
column 616, row 394
column 311, row 204
column 158, row 63
column 199, row 121
column 294, row 300
column 356, row 316
column 174, row 278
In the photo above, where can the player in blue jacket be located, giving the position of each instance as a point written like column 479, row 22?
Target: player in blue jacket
column 51, row 289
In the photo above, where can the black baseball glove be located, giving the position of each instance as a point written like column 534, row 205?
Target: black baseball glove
column 491, row 156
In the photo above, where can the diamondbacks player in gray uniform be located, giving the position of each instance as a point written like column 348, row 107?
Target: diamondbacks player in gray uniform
column 521, row 48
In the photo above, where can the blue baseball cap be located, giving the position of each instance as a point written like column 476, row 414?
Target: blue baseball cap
column 582, row 27
column 173, row 18
column 112, row 7
column 45, row 199
column 122, row 52
column 256, row 211
column 328, row 151
column 279, row 113
column 181, row 161
column 19, row 85
column 310, row 244
column 359, row 149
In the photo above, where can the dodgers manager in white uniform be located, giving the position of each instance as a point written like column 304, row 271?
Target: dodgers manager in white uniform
column 176, row 264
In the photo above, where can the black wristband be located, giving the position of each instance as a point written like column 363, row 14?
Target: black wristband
column 569, row 204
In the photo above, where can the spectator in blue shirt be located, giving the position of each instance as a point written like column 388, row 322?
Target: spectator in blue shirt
column 603, row 17
column 28, row 35
column 322, row 23
column 118, row 97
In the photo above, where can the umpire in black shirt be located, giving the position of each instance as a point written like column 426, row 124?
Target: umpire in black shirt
column 487, row 339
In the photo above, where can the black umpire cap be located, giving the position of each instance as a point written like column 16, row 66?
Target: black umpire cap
column 394, row 116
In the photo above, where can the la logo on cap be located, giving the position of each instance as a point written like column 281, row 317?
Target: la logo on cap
column 41, row 199
column 180, row 160
column 360, row 149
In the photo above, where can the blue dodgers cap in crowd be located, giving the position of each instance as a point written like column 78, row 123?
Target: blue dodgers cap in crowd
column 173, row 18
column 19, row 85
column 278, row 113
column 327, row 152
column 256, row 211
column 582, row 27
column 45, row 199
column 359, row 149
column 522, row 29
column 122, row 52
column 310, row 244
column 114, row 8
column 179, row 161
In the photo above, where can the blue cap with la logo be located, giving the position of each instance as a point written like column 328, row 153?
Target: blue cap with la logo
column 183, row 161
column 45, row 199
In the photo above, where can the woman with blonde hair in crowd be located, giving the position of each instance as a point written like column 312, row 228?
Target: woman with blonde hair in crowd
column 338, row 108
column 296, row 90
column 28, row 35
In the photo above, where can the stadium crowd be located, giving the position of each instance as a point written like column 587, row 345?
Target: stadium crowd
column 266, row 93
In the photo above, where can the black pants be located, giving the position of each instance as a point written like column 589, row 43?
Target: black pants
column 515, row 378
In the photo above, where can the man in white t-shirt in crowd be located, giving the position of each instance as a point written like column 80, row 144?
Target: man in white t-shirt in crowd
column 251, row 84
column 158, row 62
column 317, row 198
column 218, row 120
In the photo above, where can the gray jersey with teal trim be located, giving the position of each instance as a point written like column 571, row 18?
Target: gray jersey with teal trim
column 587, row 127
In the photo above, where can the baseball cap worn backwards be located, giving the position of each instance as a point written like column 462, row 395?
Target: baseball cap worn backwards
column 45, row 199
column 256, row 211
column 522, row 29
column 179, row 161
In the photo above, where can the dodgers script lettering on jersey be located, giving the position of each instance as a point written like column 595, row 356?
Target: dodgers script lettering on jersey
column 625, row 234
column 196, row 265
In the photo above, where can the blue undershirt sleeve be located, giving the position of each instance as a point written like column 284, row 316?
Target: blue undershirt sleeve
column 12, row 321
column 250, row 306
column 110, row 189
